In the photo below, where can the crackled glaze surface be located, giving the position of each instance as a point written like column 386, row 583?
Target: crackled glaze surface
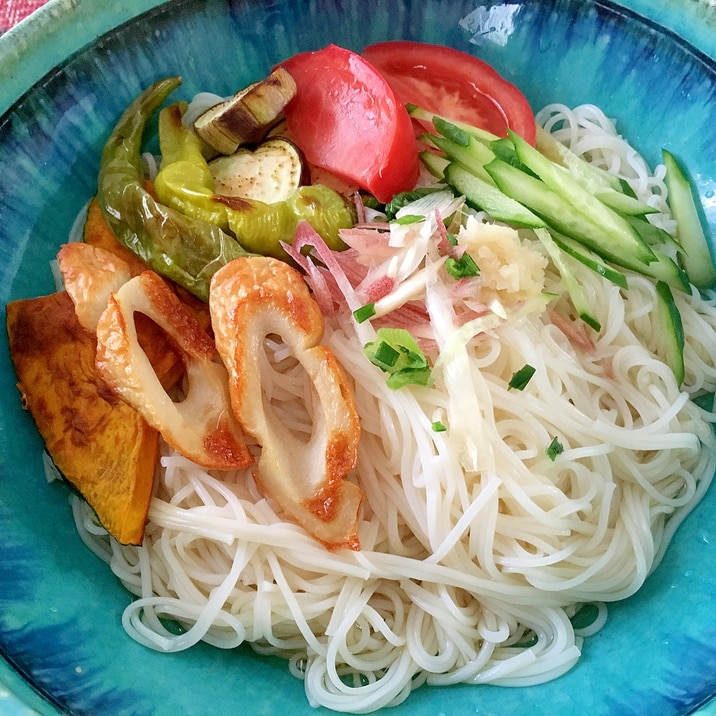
column 60, row 608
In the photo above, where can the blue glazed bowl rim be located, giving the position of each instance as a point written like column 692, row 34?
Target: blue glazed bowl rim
column 62, row 28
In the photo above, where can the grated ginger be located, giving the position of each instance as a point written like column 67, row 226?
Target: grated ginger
column 510, row 271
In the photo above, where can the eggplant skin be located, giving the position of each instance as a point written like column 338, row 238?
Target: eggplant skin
column 249, row 115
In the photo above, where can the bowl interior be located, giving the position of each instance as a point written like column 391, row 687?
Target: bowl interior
column 60, row 607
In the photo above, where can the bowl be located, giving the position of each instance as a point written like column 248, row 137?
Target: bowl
column 66, row 74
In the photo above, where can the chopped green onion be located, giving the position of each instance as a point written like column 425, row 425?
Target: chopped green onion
column 452, row 239
column 554, row 449
column 396, row 352
column 464, row 267
column 363, row 313
column 521, row 377
column 439, row 427
column 385, row 355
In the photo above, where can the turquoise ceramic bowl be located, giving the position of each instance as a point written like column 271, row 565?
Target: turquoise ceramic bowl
column 65, row 75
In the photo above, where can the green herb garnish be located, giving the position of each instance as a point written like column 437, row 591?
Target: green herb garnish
column 407, row 197
column 408, row 219
column 396, row 352
column 554, row 449
column 363, row 313
column 464, row 267
column 521, row 377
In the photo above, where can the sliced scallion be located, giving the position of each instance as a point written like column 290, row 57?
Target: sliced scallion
column 521, row 377
column 554, row 448
column 363, row 313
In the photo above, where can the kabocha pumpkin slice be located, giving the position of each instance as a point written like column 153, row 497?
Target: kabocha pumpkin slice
column 97, row 232
column 101, row 445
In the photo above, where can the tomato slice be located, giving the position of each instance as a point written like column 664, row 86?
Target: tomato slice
column 454, row 84
column 346, row 119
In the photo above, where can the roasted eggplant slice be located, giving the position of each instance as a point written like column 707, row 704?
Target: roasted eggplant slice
column 270, row 173
column 248, row 115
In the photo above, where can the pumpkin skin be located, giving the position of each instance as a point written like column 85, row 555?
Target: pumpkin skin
column 101, row 445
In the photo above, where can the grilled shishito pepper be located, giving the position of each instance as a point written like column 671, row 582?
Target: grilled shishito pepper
column 182, row 234
column 185, row 183
column 184, row 249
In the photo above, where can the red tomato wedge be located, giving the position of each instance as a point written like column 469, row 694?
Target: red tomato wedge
column 453, row 84
column 347, row 119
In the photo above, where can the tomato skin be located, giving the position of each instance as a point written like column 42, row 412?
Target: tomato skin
column 346, row 118
column 452, row 83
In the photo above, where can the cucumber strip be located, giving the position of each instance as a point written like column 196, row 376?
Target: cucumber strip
column 473, row 155
column 623, row 203
column 663, row 269
column 505, row 150
column 619, row 236
column 609, row 189
column 564, row 218
column 696, row 257
column 671, row 345
column 423, row 115
column 589, row 259
column 554, row 209
column 653, row 235
column 626, row 188
column 482, row 195
column 590, row 176
column 434, row 163
column 451, row 131
column 575, row 290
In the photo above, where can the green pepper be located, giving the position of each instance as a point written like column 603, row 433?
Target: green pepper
column 261, row 227
column 185, row 183
column 185, row 249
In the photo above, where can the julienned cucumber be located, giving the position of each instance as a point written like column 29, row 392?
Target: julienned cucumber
column 561, row 215
column 575, row 290
column 428, row 117
column 435, row 163
column 627, row 246
column 607, row 187
column 589, row 176
column 623, row 203
column 580, row 211
column 671, row 346
column 483, row 195
column 473, row 155
column 619, row 236
column 695, row 255
column 589, row 259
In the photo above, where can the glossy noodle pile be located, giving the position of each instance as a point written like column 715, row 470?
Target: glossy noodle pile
column 465, row 575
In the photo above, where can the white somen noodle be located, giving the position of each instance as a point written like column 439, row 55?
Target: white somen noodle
column 465, row 575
